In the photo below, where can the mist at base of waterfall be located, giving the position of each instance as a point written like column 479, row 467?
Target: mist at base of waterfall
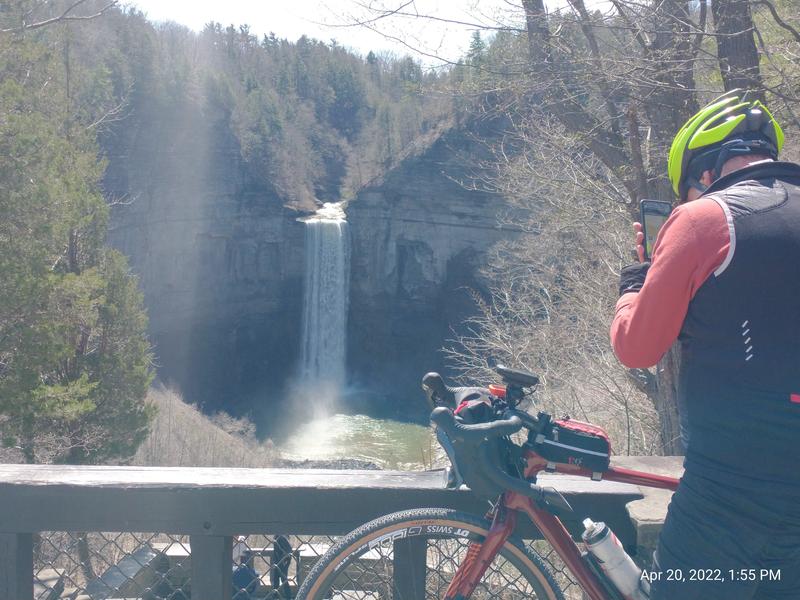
column 351, row 424
column 388, row 443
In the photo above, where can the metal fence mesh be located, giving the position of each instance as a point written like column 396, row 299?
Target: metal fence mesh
column 567, row 583
column 105, row 566
column 144, row 566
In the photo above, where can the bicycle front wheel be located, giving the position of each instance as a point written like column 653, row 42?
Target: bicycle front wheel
column 414, row 554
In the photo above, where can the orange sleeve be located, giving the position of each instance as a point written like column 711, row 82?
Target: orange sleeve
column 691, row 245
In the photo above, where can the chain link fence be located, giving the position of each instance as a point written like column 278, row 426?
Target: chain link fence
column 112, row 566
column 106, row 566
column 568, row 584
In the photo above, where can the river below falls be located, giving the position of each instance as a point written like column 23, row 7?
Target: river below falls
column 388, row 443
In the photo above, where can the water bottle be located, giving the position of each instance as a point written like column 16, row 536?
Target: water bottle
column 615, row 562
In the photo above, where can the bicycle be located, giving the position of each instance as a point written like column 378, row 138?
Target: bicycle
column 462, row 556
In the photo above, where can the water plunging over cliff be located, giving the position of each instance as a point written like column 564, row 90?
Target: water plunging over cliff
column 325, row 301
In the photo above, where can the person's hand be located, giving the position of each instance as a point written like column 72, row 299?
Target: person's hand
column 637, row 228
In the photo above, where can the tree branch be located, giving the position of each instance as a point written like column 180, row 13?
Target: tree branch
column 778, row 19
column 400, row 12
column 65, row 16
column 637, row 31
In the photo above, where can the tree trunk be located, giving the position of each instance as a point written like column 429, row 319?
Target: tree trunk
column 72, row 253
column 736, row 45
column 28, row 441
column 561, row 102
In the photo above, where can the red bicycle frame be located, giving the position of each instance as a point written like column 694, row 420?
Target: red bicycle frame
column 480, row 555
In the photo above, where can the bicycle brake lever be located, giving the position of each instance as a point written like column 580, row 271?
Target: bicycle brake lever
column 436, row 391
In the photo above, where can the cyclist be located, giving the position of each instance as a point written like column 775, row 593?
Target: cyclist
column 725, row 281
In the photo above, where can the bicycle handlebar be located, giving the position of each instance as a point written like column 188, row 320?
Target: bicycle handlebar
column 528, row 421
column 445, row 419
column 545, row 495
column 440, row 394
column 478, row 433
column 503, row 479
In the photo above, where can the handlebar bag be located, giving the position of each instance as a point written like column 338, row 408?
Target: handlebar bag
column 475, row 408
column 575, row 443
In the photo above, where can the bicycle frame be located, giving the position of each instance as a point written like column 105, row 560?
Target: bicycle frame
column 480, row 555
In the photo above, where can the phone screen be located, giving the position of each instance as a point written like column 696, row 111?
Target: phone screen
column 654, row 215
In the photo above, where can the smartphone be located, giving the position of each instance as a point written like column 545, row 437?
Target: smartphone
column 654, row 214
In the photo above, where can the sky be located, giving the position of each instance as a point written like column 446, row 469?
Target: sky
column 326, row 20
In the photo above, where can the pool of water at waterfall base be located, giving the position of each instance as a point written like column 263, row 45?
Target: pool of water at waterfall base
column 357, row 426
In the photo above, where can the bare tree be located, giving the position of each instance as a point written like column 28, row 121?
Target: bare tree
column 592, row 114
column 74, row 11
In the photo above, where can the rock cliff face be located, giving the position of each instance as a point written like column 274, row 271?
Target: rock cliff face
column 221, row 264
column 220, row 260
column 418, row 240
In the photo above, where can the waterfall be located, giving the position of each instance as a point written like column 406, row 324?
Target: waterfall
column 325, row 301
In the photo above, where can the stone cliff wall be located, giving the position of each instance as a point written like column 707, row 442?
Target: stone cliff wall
column 220, row 260
column 418, row 240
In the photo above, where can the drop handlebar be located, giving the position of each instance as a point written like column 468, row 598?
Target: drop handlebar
column 444, row 419
column 479, row 433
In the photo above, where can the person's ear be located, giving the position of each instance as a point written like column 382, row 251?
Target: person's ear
column 707, row 178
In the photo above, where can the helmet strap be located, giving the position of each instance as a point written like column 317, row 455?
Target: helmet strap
column 741, row 147
column 693, row 182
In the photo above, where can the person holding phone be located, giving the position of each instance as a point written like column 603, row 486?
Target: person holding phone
column 724, row 280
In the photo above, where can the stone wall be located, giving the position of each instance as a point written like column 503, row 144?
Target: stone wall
column 418, row 242
column 220, row 260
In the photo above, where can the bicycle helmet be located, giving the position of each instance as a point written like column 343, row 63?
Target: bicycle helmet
column 729, row 125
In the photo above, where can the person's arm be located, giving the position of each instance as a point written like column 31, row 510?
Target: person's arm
column 691, row 245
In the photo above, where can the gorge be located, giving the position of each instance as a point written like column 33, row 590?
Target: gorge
column 221, row 260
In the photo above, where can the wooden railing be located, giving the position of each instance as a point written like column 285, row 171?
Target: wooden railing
column 213, row 505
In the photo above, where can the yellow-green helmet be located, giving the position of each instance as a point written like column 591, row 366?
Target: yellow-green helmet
column 726, row 126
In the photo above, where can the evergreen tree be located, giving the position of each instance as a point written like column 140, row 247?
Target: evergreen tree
column 477, row 50
column 74, row 357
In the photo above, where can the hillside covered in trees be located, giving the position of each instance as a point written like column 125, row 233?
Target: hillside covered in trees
column 311, row 120
column 575, row 110
column 596, row 95
column 85, row 88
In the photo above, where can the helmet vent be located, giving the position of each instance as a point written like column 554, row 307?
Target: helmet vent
column 755, row 119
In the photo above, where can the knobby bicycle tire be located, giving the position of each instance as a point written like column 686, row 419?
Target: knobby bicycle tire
column 361, row 567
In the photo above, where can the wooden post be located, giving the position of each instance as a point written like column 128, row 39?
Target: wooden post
column 409, row 567
column 16, row 566
column 212, row 565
